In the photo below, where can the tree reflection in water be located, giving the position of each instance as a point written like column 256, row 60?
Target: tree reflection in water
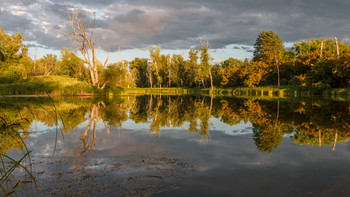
column 307, row 122
column 12, row 138
column 86, row 142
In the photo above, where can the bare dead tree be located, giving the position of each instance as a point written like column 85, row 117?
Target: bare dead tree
column 82, row 36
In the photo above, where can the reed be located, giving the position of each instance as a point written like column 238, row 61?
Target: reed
column 9, row 182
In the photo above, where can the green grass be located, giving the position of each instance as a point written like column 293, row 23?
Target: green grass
column 46, row 85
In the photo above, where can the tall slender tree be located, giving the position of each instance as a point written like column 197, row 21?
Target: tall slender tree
column 205, row 63
column 155, row 56
column 193, row 66
column 269, row 48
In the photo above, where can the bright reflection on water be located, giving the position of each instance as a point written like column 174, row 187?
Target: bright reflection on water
column 174, row 145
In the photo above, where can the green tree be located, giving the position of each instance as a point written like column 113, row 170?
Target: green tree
column 177, row 69
column 49, row 63
column 193, row 67
column 14, row 61
column 341, row 71
column 231, row 72
column 166, row 62
column 318, row 65
column 155, row 56
column 269, row 49
column 73, row 66
column 205, row 66
column 138, row 67
column 117, row 75
column 10, row 47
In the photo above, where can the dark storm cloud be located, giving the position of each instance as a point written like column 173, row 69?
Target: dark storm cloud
column 180, row 24
column 13, row 23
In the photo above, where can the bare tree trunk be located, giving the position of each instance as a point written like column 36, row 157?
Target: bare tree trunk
column 278, row 113
column 319, row 138
column 278, row 72
column 169, row 78
column 150, row 106
column 211, row 80
column 34, row 67
column 336, row 42
column 335, row 140
column 149, row 69
column 321, row 51
column 278, row 75
column 211, row 105
column 46, row 71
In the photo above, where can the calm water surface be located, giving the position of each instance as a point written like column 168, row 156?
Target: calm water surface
column 176, row 146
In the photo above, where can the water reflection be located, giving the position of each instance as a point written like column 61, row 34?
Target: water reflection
column 86, row 123
column 307, row 122
column 11, row 138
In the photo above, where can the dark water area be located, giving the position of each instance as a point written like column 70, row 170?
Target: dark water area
column 159, row 145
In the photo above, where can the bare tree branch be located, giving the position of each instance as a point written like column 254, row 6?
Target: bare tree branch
column 82, row 37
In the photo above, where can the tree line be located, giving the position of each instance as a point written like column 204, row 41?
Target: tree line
column 322, row 63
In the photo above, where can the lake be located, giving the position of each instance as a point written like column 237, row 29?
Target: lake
column 163, row 145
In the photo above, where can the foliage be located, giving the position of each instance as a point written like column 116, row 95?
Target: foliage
column 269, row 49
column 13, row 57
column 255, row 73
column 117, row 75
column 72, row 66
column 231, row 73
column 138, row 69
column 193, row 67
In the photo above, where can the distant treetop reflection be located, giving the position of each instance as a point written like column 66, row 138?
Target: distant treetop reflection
column 307, row 122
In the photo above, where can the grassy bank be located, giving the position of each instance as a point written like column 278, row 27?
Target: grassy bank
column 165, row 91
column 46, row 85
column 281, row 92
column 258, row 91
column 59, row 85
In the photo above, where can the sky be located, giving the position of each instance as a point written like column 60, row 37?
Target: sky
column 128, row 28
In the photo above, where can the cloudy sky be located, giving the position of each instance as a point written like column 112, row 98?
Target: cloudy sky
column 231, row 26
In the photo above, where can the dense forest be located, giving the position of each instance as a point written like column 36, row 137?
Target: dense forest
column 321, row 64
